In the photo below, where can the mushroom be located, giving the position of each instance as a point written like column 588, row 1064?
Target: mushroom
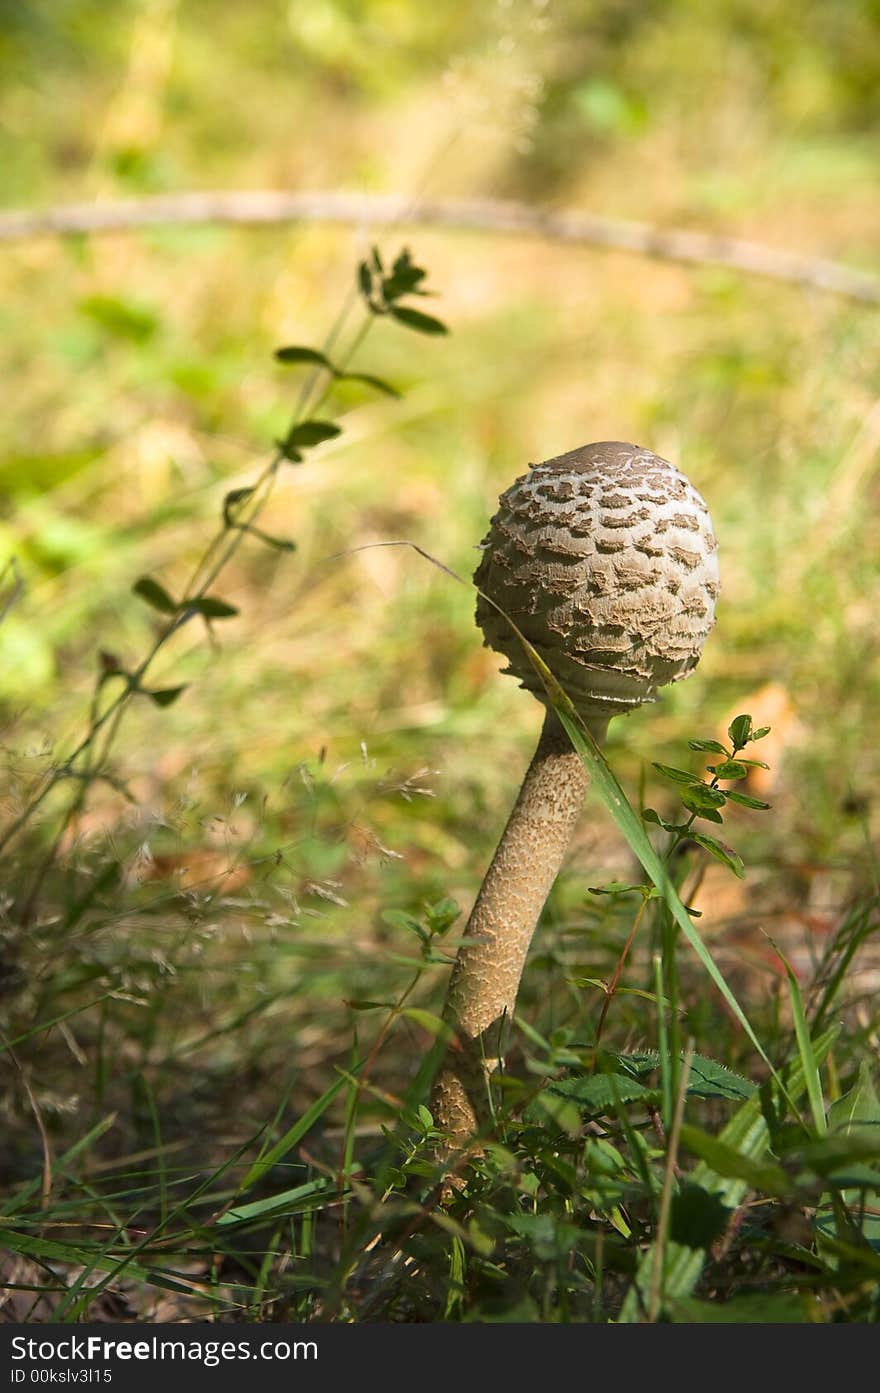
column 604, row 559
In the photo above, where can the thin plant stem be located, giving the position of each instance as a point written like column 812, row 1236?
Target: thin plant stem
column 656, row 1291
column 621, row 962
column 213, row 561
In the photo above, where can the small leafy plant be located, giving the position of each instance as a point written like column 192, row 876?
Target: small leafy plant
column 381, row 294
column 705, row 799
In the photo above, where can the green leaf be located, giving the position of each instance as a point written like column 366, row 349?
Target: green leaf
column 428, row 1021
column 124, row 318
column 739, row 729
column 730, row 769
column 678, row 776
column 297, row 354
column 759, row 734
column 858, row 1111
column 750, row 1308
column 709, row 1079
column 365, row 280
column 651, row 815
column 548, row 1236
column 165, row 696
column 369, row 380
column 836, row 1151
column 701, row 799
column 311, row 433
column 618, row 888
column 764, row 1176
column 231, row 502
column 805, row 1045
column 288, row 452
column 595, row 1094
column 415, row 319
column 697, row 1217
column 399, row 919
column 711, row 746
column 288, row 1201
column 155, row 595
column 746, row 800
column 442, row 914
column 211, row 608
column 404, row 279
column 277, row 543
column 723, row 853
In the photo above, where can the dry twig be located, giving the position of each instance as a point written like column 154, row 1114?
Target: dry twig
column 269, row 206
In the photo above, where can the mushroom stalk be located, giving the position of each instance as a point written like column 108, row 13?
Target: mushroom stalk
column 487, row 972
column 604, row 560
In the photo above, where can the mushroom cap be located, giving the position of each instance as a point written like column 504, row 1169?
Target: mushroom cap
column 605, row 560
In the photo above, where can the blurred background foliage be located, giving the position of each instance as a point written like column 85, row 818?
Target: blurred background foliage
column 345, row 745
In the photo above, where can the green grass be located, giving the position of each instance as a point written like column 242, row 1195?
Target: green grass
column 218, row 998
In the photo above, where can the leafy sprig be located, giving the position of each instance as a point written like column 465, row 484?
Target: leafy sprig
column 381, row 292
column 705, row 798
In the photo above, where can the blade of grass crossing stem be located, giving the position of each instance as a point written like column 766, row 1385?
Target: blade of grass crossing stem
column 630, row 824
column 27, row 1191
column 272, row 1253
column 294, row 1134
column 746, row 1132
column 55, row 1020
column 805, row 1046
column 279, row 1113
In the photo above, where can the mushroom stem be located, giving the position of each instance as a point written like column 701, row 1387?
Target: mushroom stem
column 606, row 559
column 486, row 976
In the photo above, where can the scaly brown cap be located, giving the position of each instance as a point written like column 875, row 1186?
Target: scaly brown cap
column 606, row 560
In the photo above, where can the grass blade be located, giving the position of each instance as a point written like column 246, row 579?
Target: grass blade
column 294, row 1134
column 630, row 824
column 805, row 1045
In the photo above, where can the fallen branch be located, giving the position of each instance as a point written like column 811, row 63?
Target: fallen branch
column 262, row 207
